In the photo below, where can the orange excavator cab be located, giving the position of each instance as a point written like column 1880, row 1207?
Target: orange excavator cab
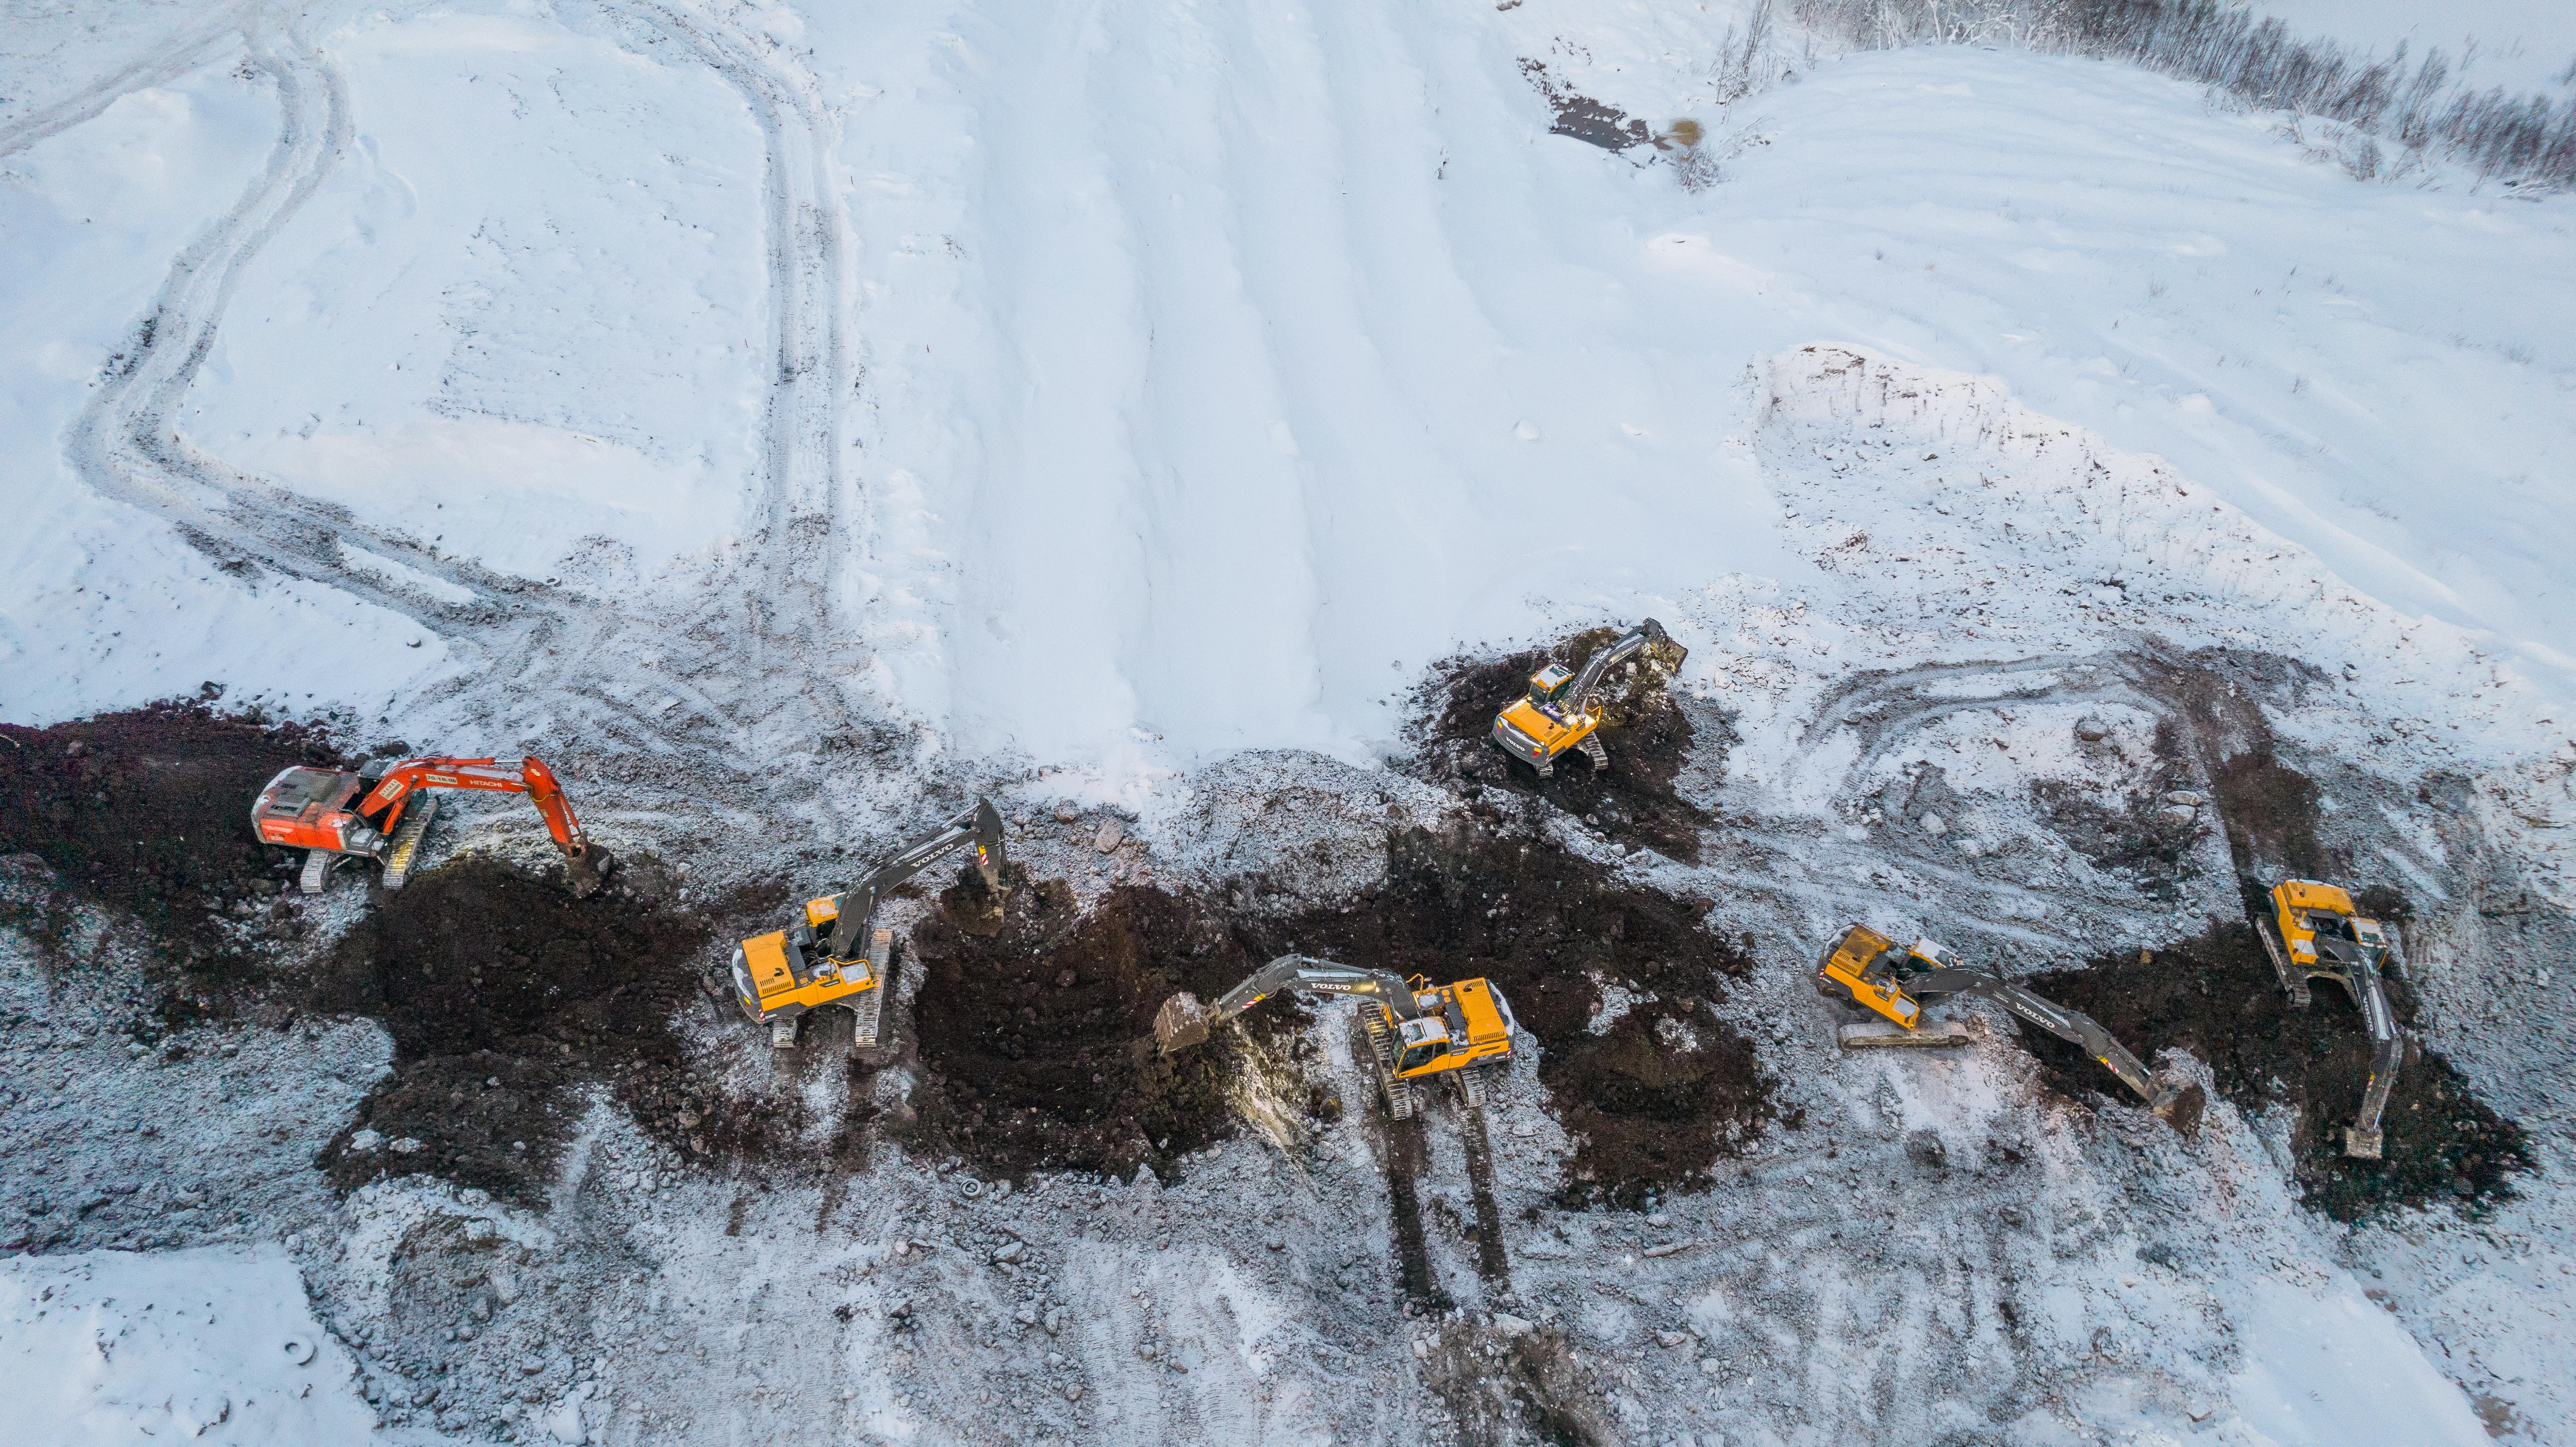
column 383, row 810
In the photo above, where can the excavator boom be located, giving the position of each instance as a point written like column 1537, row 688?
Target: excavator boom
column 1183, row 1022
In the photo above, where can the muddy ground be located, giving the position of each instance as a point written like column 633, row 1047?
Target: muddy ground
column 1650, row 739
column 2217, row 996
column 1664, row 1087
column 507, row 999
column 147, row 812
column 1037, row 1037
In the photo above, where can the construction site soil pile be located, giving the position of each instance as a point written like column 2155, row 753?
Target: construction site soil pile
column 1617, row 983
column 2217, row 996
column 148, row 812
column 1635, row 801
column 504, row 995
column 1037, row 1035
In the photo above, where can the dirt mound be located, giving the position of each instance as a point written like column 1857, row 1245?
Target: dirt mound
column 1038, row 1035
column 1615, row 982
column 1648, row 736
column 148, row 812
column 2217, row 996
column 504, row 995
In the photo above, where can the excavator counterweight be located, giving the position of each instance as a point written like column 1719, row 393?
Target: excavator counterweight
column 835, row 954
column 383, row 810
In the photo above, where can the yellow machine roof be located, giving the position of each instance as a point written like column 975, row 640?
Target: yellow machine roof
column 1476, row 1003
column 2308, row 894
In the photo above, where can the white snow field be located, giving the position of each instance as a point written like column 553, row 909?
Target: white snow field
column 1128, row 406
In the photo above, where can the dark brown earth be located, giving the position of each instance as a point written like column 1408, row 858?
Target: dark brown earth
column 1038, row 1037
column 1646, row 732
column 2217, row 996
column 1650, row 1113
column 1580, row 116
column 147, row 812
column 505, row 997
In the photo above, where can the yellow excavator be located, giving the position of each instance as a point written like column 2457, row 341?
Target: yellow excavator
column 1416, row 1030
column 2317, row 932
column 1562, row 710
column 835, row 955
column 1868, row 968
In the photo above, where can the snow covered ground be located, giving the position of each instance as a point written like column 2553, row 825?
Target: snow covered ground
column 1095, row 403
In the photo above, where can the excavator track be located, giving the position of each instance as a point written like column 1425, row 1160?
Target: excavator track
column 868, row 1006
column 316, row 874
column 1400, row 1104
column 407, row 839
column 1596, row 752
column 1491, row 1262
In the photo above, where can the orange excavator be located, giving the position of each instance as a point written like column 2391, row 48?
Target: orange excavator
column 383, row 810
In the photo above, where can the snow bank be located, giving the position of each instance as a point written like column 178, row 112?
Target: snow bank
column 204, row 1344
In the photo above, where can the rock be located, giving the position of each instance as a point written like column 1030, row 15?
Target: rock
column 1073, row 1392
column 1066, row 814
column 406, row 1146
column 1925, row 1148
column 1027, row 1315
column 365, row 1141
column 480, row 1231
column 1110, row 836
column 1055, row 1322
column 1276, row 1243
column 1510, row 1325
column 1934, row 825
column 2092, row 730
column 2177, row 813
column 1711, row 1366
column 1011, row 1252
column 2184, row 796
column 1671, row 1338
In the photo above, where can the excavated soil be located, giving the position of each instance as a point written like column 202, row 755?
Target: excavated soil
column 2138, row 839
column 2217, row 996
column 507, row 999
column 1649, row 738
column 1037, row 1036
column 147, row 812
column 1616, row 982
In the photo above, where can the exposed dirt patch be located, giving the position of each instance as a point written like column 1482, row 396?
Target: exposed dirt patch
column 507, row 998
column 2217, row 996
column 1582, row 117
column 1038, row 1036
column 148, row 813
column 1663, row 1088
column 1648, row 736
column 1535, row 1385
column 2144, row 838
column 2270, row 809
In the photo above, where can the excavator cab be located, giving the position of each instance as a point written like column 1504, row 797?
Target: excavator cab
column 1549, row 686
column 1460, row 1025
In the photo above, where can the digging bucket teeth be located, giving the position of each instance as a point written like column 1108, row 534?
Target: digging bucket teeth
column 1181, row 1023
column 587, row 872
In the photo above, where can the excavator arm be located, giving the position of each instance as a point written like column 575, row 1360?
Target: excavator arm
column 2072, row 1026
column 1587, row 684
column 1184, row 1022
column 392, row 792
column 979, row 827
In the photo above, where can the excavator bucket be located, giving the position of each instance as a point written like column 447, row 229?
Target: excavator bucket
column 1181, row 1023
column 586, row 870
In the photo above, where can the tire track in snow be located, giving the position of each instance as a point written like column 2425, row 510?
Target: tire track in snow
column 532, row 651
column 175, row 58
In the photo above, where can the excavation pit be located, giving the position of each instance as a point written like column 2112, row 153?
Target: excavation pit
column 2217, row 996
column 1636, row 801
column 147, row 812
column 506, row 998
column 1038, row 1035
